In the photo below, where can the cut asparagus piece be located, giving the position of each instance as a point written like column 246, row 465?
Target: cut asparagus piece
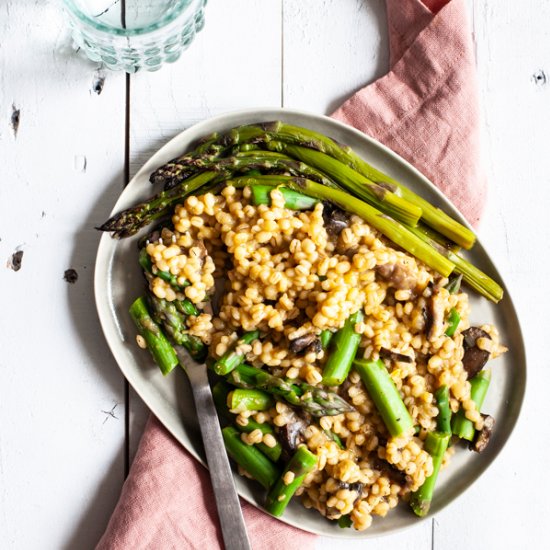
column 313, row 399
column 436, row 444
column 302, row 463
column 157, row 343
column 444, row 415
column 384, row 395
column 342, row 352
column 380, row 197
column 461, row 426
column 244, row 399
column 169, row 315
column 326, row 337
column 221, row 392
column 234, row 357
column 250, row 458
column 394, row 231
column 293, row 199
column 452, row 322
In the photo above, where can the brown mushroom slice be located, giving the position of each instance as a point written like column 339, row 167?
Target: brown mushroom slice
column 356, row 487
column 436, row 314
column 291, row 435
column 394, row 356
column 309, row 341
column 397, row 275
column 482, row 438
column 474, row 358
column 334, row 218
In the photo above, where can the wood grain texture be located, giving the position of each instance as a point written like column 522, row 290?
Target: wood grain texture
column 61, row 455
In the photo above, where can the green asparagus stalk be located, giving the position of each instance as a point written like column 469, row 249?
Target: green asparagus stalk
column 452, row 322
column 159, row 346
column 233, row 358
column 326, row 337
column 444, row 415
column 385, row 396
column 244, row 399
column 170, row 316
column 454, row 284
column 313, row 399
column 381, row 198
column 220, row 393
column 479, row 281
column 394, row 231
column 436, row 444
column 461, row 426
column 302, row 463
column 293, row 199
column 130, row 221
column 250, row 458
column 432, row 216
column 343, row 350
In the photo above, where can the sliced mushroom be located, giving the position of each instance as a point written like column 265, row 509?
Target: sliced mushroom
column 474, row 358
column 397, row 275
column 335, row 219
column 436, row 314
column 291, row 435
column 479, row 444
column 394, row 356
column 309, row 342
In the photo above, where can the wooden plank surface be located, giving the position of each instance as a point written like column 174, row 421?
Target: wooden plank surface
column 62, row 150
column 62, row 142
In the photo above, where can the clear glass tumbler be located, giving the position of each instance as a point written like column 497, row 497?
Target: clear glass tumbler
column 133, row 35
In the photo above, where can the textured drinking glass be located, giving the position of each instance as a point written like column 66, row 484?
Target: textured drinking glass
column 133, row 35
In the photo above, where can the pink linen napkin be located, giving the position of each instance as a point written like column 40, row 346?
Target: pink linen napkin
column 426, row 110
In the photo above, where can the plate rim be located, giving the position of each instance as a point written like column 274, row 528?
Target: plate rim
column 445, row 204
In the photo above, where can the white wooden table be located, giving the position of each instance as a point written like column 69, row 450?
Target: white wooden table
column 70, row 136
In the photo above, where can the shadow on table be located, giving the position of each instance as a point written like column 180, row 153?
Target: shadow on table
column 94, row 520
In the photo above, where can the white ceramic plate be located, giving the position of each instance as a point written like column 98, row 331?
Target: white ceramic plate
column 118, row 282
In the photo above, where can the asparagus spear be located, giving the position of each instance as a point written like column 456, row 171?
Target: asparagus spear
column 436, row 444
column 233, row 358
column 394, row 231
column 220, row 392
column 244, row 399
column 444, row 416
column 302, row 463
column 159, row 346
column 293, row 199
column 344, row 348
column 211, row 149
column 249, row 458
column 130, row 221
column 461, row 426
column 169, row 315
column 385, row 396
column 376, row 195
column 315, row 400
column 478, row 280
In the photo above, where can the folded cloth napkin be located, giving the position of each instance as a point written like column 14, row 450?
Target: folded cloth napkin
column 425, row 109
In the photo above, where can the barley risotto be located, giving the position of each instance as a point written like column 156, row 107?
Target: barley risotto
column 293, row 275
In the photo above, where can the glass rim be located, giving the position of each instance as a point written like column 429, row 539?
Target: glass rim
column 138, row 31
